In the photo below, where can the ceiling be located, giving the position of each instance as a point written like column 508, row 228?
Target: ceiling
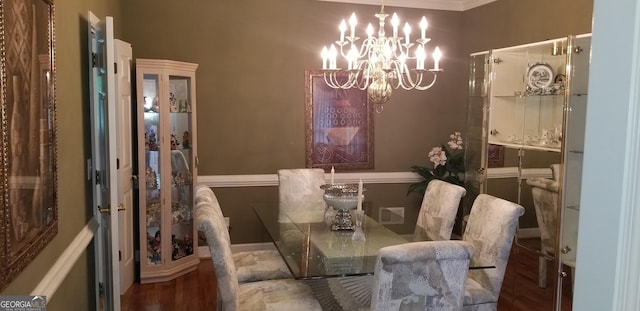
column 447, row 5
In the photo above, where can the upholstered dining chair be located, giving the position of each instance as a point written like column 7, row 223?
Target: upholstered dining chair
column 426, row 275
column 300, row 194
column 250, row 266
column 491, row 228
column 438, row 211
column 283, row 294
column 545, row 196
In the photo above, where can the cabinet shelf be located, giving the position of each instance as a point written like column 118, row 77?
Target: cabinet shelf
column 525, row 146
column 559, row 96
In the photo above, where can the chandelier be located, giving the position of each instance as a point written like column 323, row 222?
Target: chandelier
column 381, row 63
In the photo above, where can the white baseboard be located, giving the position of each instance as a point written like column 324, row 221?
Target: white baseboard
column 529, row 233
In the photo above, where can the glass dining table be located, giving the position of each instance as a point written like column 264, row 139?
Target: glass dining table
column 312, row 250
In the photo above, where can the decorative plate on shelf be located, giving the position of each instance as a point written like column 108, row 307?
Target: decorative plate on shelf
column 539, row 76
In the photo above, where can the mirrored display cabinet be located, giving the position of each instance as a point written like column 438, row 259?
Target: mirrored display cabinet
column 527, row 110
column 167, row 162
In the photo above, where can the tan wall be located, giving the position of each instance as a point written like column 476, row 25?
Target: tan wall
column 74, row 196
column 250, row 87
column 506, row 23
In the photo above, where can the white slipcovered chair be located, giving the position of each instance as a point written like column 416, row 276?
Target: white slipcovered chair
column 545, row 196
column 250, row 266
column 427, row 275
column 300, row 194
column 438, row 211
column 300, row 201
column 491, row 228
column 283, row 294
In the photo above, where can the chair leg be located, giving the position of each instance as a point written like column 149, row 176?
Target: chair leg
column 542, row 272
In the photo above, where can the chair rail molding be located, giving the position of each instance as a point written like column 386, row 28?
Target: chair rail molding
column 60, row 269
column 271, row 180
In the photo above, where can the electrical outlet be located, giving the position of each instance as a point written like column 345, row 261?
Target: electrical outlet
column 391, row 215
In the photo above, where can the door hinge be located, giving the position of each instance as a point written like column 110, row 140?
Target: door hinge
column 98, row 177
column 115, row 68
column 117, row 163
column 136, row 181
column 101, row 289
column 577, row 50
column 119, row 255
column 94, row 60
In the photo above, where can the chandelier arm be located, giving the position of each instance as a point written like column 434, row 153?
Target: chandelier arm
column 333, row 81
column 327, row 80
column 354, row 77
column 426, row 87
column 408, row 83
column 366, row 47
column 404, row 78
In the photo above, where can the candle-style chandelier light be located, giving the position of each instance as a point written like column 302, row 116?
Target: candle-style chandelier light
column 381, row 63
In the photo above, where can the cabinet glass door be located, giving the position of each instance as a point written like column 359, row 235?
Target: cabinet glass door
column 180, row 127
column 527, row 96
column 572, row 155
column 476, row 150
column 152, row 163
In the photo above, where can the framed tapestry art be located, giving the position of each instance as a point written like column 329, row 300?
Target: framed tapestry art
column 338, row 125
column 29, row 213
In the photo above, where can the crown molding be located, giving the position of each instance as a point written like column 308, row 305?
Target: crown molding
column 445, row 5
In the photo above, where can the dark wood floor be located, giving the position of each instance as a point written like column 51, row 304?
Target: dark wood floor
column 520, row 290
column 191, row 292
column 197, row 290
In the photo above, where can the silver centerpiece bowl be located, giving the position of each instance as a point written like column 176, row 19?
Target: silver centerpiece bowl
column 342, row 198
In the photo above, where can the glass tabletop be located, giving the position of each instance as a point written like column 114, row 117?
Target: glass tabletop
column 313, row 250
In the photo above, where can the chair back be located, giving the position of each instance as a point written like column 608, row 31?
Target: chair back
column 544, row 193
column 204, row 194
column 421, row 276
column 300, row 194
column 491, row 228
column 438, row 211
column 211, row 222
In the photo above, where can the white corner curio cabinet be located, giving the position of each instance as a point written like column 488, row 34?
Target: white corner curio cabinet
column 167, row 164
column 527, row 110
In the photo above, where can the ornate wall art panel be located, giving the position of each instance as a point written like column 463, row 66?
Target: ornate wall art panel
column 28, row 163
column 338, row 125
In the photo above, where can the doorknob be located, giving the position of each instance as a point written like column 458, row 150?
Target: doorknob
column 566, row 249
column 107, row 210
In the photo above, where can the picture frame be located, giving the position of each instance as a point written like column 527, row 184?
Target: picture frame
column 495, row 155
column 28, row 190
column 339, row 127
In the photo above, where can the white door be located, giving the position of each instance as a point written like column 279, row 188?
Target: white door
column 103, row 163
column 123, row 57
